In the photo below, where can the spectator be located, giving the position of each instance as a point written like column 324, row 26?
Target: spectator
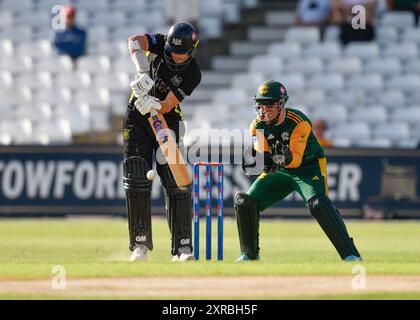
column 314, row 13
column 72, row 40
column 406, row 5
column 319, row 128
column 182, row 11
column 343, row 15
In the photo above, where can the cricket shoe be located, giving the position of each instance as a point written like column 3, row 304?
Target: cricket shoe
column 139, row 253
column 185, row 254
column 353, row 258
column 244, row 257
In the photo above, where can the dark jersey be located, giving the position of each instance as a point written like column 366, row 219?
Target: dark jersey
column 181, row 83
column 295, row 131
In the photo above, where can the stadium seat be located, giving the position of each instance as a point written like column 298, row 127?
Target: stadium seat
column 362, row 50
column 247, row 81
column 401, row 50
column 330, row 81
column 332, row 113
column 374, row 143
column 92, row 5
column 341, row 142
column 310, row 97
column 123, row 33
column 20, row 130
column 412, row 66
column 54, row 97
column 98, row 34
column 5, row 139
column 384, row 66
column 345, row 65
column 398, row 19
column 231, row 97
column 365, row 82
column 410, row 115
column 16, row 64
column 405, row 82
column 6, row 47
column 98, row 98
column 78, row 115
column 393, row 130
column 112, row 49
column 40, row 49
column 94, row 64
column 54, row 132
column 33, row 18
column 55, row 64
column 35, row 112
column 371, row 115
column 35, row 81
column 100, row 120
column 326, row 50
column 74, row 80
column 386, row 35
column 6, row 80
column 117, row 81
column 17, row 34
column 355, row 131
column 285, row 49
column 304, row 35
column 411, row 35
column 17, row 6
column 332, row 34
column 119, row 102
column 124, row 64
column 267, row 64
column 6, row 19
column 292, row 81
column 310, row 65
column 392, row 98
column 17, row 95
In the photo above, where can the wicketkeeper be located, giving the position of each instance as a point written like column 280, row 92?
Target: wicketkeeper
column 167, row 73
column 293, row 161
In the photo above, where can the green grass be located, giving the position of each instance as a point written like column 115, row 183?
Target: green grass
column 99, row 248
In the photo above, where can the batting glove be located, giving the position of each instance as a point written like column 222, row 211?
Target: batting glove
column 146, row 103
column 141, row 85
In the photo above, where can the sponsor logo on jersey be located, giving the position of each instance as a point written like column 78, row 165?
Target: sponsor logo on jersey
column 176, row 80
column 270, row 137
column 314, row 178
column 176, row 41
column 285, row 136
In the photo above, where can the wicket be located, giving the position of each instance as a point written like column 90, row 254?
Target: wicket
column 196, row 192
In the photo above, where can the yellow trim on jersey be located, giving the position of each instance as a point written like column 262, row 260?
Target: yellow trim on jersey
column 296, row 115
column 298, row 139
column 261, row 143
column 322, row 162
column 294, row 118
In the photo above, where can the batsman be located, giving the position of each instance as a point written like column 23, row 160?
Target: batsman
column 293, row 161
column 166, row 74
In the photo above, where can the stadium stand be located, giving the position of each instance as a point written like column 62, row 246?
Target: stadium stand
column 369, row 91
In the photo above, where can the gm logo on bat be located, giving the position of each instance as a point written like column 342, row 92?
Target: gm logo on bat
column 157, row 125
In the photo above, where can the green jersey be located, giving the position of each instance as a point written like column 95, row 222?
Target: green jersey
column 295, row 130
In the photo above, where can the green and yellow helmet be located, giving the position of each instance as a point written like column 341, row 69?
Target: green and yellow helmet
column 271, row 91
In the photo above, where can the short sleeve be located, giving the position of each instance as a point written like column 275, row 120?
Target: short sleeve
column 156, row 43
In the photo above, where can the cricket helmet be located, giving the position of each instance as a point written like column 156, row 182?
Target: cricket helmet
column 181, row 38
column 270, row 92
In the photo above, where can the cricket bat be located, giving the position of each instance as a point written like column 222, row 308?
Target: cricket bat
column 170, row 149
